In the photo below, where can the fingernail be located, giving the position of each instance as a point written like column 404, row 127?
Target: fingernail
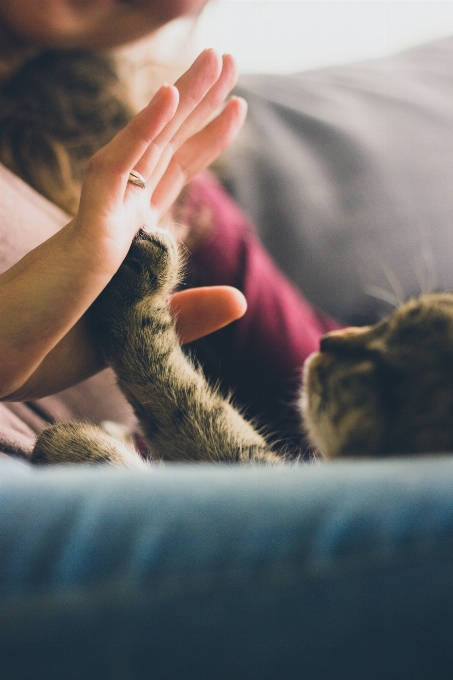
column 160, row 92
column 242, row 101
column 207, row 49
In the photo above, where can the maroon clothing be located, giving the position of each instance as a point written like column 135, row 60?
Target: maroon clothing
column 259, row 357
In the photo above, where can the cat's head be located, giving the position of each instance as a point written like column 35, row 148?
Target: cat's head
column 384, row 389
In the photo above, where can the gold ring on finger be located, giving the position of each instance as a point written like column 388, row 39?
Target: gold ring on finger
column 137, row 179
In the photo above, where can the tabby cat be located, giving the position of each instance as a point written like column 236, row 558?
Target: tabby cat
column 380, row 390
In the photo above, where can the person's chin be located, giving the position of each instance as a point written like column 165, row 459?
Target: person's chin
column 172, row 9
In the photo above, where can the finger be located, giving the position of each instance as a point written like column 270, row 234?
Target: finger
column 198, row 79
column 210, row 103
column 200, row 115
column 198, row 153
column 109, row 168
column 192, row 87
column 200, row 311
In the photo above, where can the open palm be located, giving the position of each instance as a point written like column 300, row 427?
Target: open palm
column 168, row 143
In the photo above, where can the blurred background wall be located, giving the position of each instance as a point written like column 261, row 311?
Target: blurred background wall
column 282, row 36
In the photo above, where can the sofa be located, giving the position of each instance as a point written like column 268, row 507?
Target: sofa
column 338, row 570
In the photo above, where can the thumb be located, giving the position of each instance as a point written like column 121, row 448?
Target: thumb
column 200, row 311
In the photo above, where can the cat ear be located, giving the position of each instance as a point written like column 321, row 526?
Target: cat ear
column 353, row 340
column 336, row 340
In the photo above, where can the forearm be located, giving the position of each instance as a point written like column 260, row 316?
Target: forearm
column 75, row 358
column 42, row 298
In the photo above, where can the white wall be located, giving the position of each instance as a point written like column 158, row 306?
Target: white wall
column 289, row 35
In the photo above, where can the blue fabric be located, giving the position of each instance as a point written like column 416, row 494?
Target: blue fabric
column 339, row 570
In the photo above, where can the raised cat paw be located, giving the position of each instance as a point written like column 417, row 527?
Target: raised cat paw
column 138, row 293
column 151, row 268
column 181, row 417
column 153, row 257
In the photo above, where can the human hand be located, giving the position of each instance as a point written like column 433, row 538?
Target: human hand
column 168, row 145
column 44, row 342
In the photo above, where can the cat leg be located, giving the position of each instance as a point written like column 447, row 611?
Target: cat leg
column 82, row 443
column 181, row 416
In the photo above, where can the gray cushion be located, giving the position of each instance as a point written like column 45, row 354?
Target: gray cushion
column 348, row 174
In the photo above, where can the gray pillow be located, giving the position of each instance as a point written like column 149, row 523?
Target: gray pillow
column 348, row 175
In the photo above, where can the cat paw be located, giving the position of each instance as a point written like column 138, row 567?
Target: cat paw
column 149, row 272
column 82, row 444
column 153, row 263
column 150, row 269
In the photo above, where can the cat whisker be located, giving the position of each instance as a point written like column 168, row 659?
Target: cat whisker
column 382, row 294
column 395, row 284
column 426, row 272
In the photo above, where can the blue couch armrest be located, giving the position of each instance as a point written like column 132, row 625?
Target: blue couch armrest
column 340, row 570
